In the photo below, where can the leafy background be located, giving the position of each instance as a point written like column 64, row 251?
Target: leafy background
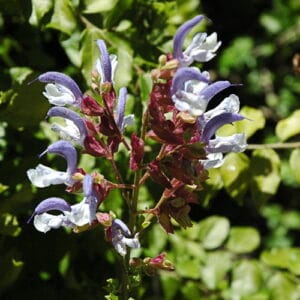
column 245, row 240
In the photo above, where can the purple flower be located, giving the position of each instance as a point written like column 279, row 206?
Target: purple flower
column 121, row 120
column 71, row 216
column 191, row 90
column 107, row 64
column 201, row 49
column 121, row 237
column 61, row 89
column 43, row 176
column 76, row 129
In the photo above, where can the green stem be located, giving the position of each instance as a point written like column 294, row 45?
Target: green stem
column 274, row 146
column 124, row 289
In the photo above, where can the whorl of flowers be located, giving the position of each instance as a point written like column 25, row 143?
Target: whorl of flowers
column 177, row 116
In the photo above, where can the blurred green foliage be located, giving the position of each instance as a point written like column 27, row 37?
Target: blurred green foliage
column 245, row 240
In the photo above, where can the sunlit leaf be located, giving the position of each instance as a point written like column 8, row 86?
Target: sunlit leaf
column 254, row 121
column 218, row 263
column 63, row 18
column 89, row 51
column 243, row 239
column 213, row 231
column 265, row 170
column 282, row 287
column 9, row 225
column 39, row 9
column 19, row 74
column 288, row 258
column 235, row 174
column 98, row 6
column 288, row 127
column 247, row 279
column 295, row 164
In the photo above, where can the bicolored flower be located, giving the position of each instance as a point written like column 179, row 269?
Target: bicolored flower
column 192, row 91
column 121, row 120
column 107, row 64
column 61, row 89
column 76, row 129
column 201, row 49
column 43, row 176
column 225, row 113
column 70, row 216
column 121, row 237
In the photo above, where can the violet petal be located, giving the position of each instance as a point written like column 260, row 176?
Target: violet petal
column 65, row 80
column 70, row 115
column 105, row 61
column 66, row 150
column 184, row 74
column 181, row 33
column 52, row 203
column 216, row 122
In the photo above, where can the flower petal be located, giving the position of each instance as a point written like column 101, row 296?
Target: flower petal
column 66, row 150
column 72, row 116
column 64, row 80
column 181, row 33
column 43, row 176
column 216, row 122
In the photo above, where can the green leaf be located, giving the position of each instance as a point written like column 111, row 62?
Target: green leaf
column 188, row 267
column 243, row 240
column 170, row 285
column 235, row 174
column 19, row 74
column 190, row 291
column 7, row 99
column 10, row 269
column 247, row 279
column 63, row 18
column 9, row 225
column 294, row 162
column 254, row 121
column 213, row 231
column 213, row 274
column 39, row 9
column 89, row 51
column 145, row 85
column 98, row 6
column 288, row 258
column 265, row 179
column 15, row 107
column 72, row 48
column 289, row 127
column 282, row 287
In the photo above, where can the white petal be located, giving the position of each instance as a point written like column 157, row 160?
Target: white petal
column 80, row 214
column 43, row 176
column 44, row 222
column 234, row 143
column 70, row 132
column 127, row 121
column 214, row 160
column 132, row 242
column 230, row 104
column 58, row 94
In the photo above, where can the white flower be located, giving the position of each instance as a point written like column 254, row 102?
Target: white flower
column 70, row 132
column 202, row 48
column 59, row 95
column 43, row 176
column 214, row 160
column 45, row 222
